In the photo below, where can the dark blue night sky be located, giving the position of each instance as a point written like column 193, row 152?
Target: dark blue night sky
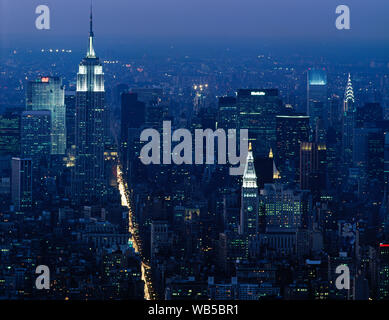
column 202, row 18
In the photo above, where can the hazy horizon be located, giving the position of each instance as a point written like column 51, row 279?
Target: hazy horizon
column 245, row 27
column 278, row 19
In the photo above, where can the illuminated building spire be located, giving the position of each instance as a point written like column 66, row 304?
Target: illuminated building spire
column 384, row 212
column 249, row 199
column 91, row 51
column 349, row 99
column 88, row 174
column 249, row 176
column 276, row 173
column 271, row 153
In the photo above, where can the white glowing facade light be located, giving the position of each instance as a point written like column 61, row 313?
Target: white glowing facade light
column 349, row 98
column 90, row 77
column 91, row 51
column 249, row 199
column 249, row 176
column 98, row 70
column 258, row 93
column 48, row 93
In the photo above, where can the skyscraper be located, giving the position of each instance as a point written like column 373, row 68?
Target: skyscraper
column 369, row 155
column 70, row 102
column 383, row 271
column 227, row 113
column 9, row 147
column 35, row 137
column 21, row 183
column 312, row 166
column 132, row 119
column 257, row 113
column 292, row 130
column 349, row 122
column 360, row 150
column 317, row 96
column 349, row 100
column 156, row 108
column 386, row 161
column 47, row 93
column 375, row 157
column 249, row 203
column 132, row 112
column 9, row 134
column 88, row 183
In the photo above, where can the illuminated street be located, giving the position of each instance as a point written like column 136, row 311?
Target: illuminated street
column 134, row 235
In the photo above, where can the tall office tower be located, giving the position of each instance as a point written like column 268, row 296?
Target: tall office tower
column 35, row 137
column 349, row 122
column 384, row 211
column 227, row 114
column 375, row 158
column 250, row 202
column 284, row 207
column 386, row 161
column 335, row 114
column 292, row 130
column 9, row 134
column 257, row 113
column 205, row 118
column 132, row 119
column 361, row 149
column 70, row 102
column 208, row 118
column 333, row 158
column 157, row 108
column 200, row 97
column 312, row 166
column 88, row 182
column 231, row 210
column 21, row 183
column 349, row 100
column 117, row 93
column 317, row 96
column 48, row 93
column 385, row 96
column 266, row 169
column 383, row 272
column 9, row 147
column 132, row 113
column 384, row 215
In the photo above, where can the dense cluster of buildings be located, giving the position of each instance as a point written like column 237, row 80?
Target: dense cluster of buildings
column 313, row 195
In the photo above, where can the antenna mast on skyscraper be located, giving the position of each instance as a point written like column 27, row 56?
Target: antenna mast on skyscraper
column 91, row 51
column 91, row 19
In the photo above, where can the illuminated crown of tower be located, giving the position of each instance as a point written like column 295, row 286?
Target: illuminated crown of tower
column 349, row 99
column 249, row 176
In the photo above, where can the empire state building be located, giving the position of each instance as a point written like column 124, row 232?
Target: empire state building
column 88, row 183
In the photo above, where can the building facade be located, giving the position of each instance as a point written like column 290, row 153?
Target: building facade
column 21, row 184
column 250, row 200
column 48, row 93
column 88, row 183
